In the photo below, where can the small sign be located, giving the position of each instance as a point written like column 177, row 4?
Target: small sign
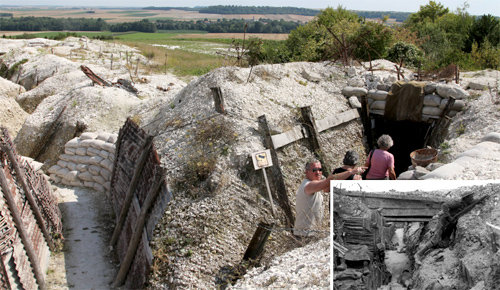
column 262, row 159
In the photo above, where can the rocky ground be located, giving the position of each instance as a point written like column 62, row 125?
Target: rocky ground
column 172, row 109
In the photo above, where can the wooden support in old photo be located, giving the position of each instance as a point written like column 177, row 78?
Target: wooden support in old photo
column 310, row 125
column 259, row 239
column 218, row 100
column 276, row 174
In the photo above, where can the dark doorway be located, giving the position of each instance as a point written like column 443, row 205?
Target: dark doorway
column 408, row 136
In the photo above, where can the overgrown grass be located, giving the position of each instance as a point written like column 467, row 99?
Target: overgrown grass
column 179, row 62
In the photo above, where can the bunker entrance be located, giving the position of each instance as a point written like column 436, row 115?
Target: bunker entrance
column 407, row 136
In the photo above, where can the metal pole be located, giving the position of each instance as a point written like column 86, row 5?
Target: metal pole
column 269, row 191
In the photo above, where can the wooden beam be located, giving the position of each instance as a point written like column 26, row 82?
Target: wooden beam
column 146, row 150
column 336, row 120
column 259, row 239
column 139, row 229
column 296, row 133
column 218, row 100
column 312, row 131
column 276, row 174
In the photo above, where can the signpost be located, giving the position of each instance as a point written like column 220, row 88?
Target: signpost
column 261, row 160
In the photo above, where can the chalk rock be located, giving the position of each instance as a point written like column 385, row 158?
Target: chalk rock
column 420, row 171
column 354, row 91
column 407, row 175
column 354, row 102
column 310, row 76
column 447, row 171
column 481, row 84
column 492, row 137
column 433, row 166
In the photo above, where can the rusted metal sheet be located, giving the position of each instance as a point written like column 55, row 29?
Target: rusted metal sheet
column 129, row 148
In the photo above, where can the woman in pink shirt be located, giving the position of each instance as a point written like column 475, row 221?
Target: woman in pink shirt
column 380, row 161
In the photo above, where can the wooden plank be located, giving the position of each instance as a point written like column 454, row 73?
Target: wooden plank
column 296, row 133
column 409, row 212
column 406, row 196
column 276, row 174
column 336, row 120
column 407, row 219
column 399, row 203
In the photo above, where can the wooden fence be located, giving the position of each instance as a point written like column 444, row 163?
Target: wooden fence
column 140, row 196
column 30, row 221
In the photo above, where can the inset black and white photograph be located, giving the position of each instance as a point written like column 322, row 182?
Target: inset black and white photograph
column 415, row 234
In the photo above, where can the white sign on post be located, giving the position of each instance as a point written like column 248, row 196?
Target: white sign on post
column 261, row 160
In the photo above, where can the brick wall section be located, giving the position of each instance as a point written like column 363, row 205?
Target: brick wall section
column 129, row 146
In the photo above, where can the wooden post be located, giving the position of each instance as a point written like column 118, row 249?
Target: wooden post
column 138, row 229
column 276, row 174
column 133, row 185
column 111, row 67
column 218, row 100
column 310, row 125
column 441, row 123
column 365, row 119
column 269, row 191
column 136, row 66
column 258, row 242
column 25, row 239
column 29, row 197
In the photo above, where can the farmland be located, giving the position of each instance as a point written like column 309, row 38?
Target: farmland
column 116, row 15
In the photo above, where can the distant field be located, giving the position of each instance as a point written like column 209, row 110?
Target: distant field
column 129, row 15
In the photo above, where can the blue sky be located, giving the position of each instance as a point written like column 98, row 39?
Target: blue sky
column 476, row 7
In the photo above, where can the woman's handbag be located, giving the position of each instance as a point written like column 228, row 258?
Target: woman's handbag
column 365, row 173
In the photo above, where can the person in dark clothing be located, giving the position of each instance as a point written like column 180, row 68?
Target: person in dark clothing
column 351, row 158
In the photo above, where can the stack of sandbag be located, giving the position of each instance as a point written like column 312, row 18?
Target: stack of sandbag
column 435, row 96
column 87, row 161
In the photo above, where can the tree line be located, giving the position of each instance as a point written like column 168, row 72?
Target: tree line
column 230, row 25
column 429, row 39
column 89, row 24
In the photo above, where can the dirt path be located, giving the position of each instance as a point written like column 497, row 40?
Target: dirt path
column 86, row 261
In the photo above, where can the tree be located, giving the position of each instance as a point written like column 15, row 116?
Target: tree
column 430, row 12
column 404, row 53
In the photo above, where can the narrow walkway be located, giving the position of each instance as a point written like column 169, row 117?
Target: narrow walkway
column 86, row 261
